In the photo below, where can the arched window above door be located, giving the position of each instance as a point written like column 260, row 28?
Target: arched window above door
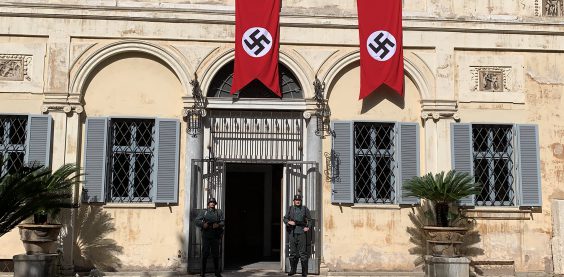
column 221, row 85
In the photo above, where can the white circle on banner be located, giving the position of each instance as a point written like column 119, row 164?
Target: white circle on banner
column 381, row 45
column 257, row 42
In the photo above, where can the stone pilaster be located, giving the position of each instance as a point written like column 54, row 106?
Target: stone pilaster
column 66, row 149
column 437, row 115
column 194, row 151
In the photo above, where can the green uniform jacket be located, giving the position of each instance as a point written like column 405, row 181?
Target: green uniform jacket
column 211, row 216
column 299, row 214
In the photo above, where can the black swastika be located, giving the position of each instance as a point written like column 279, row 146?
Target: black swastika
column 257, row 42
column 381, row 45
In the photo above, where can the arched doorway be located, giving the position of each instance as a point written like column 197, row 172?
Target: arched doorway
column 255, row 163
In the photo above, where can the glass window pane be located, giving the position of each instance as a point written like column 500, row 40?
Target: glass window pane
column 15, row 162
column 384, row 182
column 122, row 133
column 120, row 173
column 502, row 178
column 363, row 179
column 17, row 132
column 144, row 134
column 142, row 175
column 362, row 136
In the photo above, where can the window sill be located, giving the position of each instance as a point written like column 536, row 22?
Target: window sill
column 376, row 206
column 498, row 213
column 498, row 209
column 130, row 205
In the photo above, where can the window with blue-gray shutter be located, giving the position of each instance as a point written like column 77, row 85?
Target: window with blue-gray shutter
column 495, row 150
column 132, row 160
column 408, row 158
column 24, row 140
column 342, row 163
column 39, row 140
column 462, row 161
column 167, row 158
column 529, row 165
column 95, row 160
column 371, row 160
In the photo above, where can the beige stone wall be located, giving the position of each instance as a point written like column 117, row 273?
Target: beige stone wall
column 368, row 237
column 528, row 240
column 444, row 41
column 138, row 85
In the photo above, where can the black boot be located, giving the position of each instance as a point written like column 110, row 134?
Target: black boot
column 203, row 271
column 304, row 268
column 293, row 267
column 216, row 267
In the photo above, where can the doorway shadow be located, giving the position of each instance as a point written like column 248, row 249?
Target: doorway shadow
column 252, row 215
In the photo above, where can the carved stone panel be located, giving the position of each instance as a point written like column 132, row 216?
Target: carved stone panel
column 551, row 7
column 14, row 67
column 491, row 80
column 486, row 78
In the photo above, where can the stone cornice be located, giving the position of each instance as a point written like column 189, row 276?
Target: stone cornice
column 439, row 109
column 218, row 14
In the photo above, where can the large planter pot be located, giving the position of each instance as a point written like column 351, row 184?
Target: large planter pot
column 39, row 238
column 444, row 241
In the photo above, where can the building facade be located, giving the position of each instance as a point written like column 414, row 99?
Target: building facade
column 137, row 94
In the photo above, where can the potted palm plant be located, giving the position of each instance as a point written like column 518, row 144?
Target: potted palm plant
column 36, row 191
column 443, row 191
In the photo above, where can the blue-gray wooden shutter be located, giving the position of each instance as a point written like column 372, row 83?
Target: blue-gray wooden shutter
column 95, row 159
column 408, row 150
column 462, row 154
column 39, row 131
column 167, row 160
column 529, row 165
column 342, row 185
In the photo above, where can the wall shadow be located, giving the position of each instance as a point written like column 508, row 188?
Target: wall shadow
column 424, row 215
column 92, row 248
column 380, row 94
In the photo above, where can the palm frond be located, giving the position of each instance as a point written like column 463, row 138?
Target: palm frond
column 32, row 189
column 441, row 187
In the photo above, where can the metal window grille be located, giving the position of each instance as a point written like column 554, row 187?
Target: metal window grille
column 6, row 265
column 132, row 160
column 13, row 136
column 374, row 163
column 256, row 135
column 493, row 164
column 221, row 85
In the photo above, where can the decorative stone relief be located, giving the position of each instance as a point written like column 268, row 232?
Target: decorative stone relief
column 14, row 67
column 486, row 78
column 551, row 7
column 489, row 78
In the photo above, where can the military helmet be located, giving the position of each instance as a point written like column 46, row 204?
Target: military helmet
column 298, row 197
column 210, row 200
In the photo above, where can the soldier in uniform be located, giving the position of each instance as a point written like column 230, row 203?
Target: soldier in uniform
column 298, row 222
column 211, row 222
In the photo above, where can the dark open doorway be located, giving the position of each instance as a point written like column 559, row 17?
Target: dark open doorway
column 252, row 213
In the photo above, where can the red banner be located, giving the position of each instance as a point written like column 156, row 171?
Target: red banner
column 256, row 44
column 381, row 45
